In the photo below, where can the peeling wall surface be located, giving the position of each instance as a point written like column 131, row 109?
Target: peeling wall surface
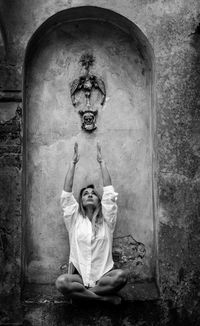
column 172, row 29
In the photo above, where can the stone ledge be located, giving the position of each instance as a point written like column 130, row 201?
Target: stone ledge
column 93, row 313
column 11, row 96
column 47, row 293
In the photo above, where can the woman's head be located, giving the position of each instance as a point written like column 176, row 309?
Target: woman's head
column 89, row 197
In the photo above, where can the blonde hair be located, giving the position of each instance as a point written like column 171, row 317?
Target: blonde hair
column 97, row 218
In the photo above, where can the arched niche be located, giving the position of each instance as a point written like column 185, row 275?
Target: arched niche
column 125, row 127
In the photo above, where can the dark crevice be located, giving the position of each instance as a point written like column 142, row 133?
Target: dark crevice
column 197, row 30
column 195, row 38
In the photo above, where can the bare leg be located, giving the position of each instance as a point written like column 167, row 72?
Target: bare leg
column 72, row 286
column 111, row 282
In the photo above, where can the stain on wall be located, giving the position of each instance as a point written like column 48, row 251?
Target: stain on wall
column 129, row 254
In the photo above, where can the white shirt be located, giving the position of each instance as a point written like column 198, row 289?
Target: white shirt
column 91, row 256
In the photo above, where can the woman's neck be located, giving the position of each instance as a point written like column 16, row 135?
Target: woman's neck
column 89, row 212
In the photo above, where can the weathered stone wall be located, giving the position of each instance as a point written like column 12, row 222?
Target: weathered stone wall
column 172, row 28
column 10, row 207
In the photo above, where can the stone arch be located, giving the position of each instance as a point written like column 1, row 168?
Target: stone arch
column 95, row 15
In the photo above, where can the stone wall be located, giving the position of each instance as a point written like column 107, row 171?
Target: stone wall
column 11, row 213
column 173, row 30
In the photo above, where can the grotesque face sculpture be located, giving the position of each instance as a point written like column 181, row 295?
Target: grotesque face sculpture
column 88, row 119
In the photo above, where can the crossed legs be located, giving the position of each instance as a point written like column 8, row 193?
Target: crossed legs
column 105, row 289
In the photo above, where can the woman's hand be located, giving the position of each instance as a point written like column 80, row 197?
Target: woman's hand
column 104, row 171
column 76, row 155
column 99, row 155
column 69, row 178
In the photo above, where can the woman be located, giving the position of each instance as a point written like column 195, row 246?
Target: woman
column 90, row 225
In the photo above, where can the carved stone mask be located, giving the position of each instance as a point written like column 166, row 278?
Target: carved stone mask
column 88, row 119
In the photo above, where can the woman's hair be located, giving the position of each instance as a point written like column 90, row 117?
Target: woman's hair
column 97, row 218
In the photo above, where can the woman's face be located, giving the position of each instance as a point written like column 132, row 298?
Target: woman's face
column 89, row 198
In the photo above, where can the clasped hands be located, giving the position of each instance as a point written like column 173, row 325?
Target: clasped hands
column 76, row 155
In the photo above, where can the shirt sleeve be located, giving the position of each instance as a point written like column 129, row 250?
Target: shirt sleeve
column 70, row 208
column 109, row 206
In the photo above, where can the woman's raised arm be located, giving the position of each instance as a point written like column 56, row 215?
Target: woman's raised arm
column 68, row 184
column 104, row 171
